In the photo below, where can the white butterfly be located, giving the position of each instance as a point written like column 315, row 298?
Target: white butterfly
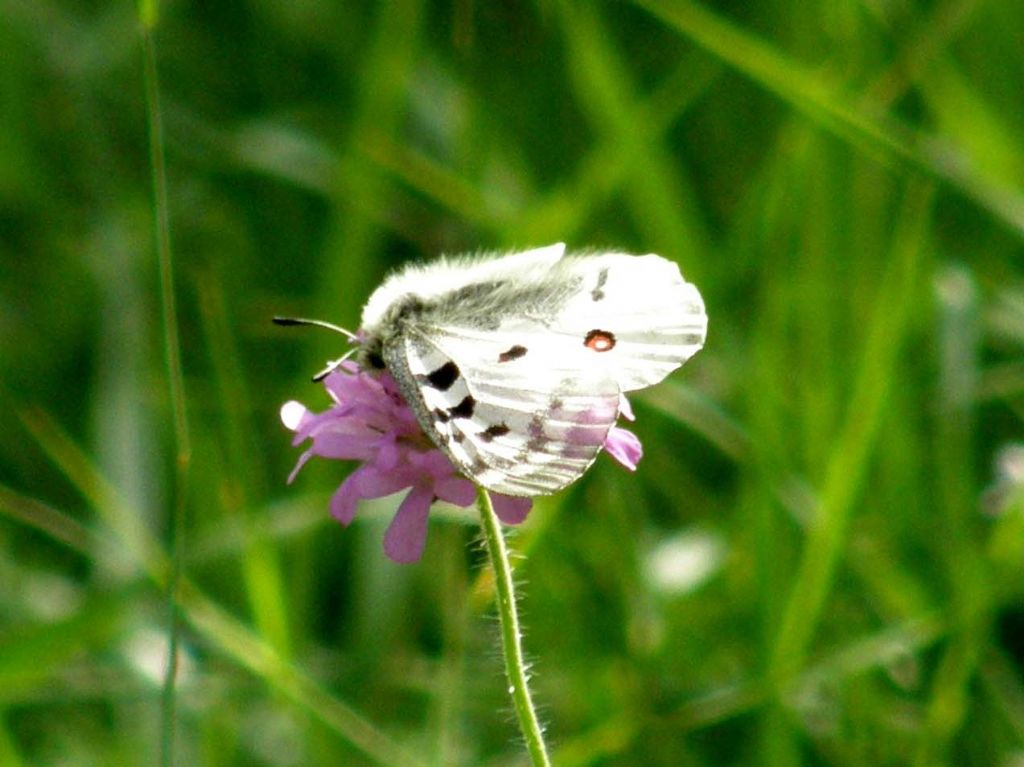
column 515, row 365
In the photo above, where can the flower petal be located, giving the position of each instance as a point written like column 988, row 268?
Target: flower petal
column 625, row 409
column 364, row 483
column 511, row 509
column 376, row 483
column 455, row 490
column 345, row 499
column 299, row 464
column 345, row 447
column 407, row 533
column 624, row 446
column 388, row 452
column 293, row 414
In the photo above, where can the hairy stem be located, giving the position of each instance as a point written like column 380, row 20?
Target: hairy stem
column 512, row 649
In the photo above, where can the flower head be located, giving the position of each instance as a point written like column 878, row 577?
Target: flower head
column 371, row 423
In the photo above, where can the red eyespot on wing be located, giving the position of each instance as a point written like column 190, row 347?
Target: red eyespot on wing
column 600, row 340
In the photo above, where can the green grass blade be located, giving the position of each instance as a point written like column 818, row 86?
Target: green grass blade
column 826, row 537
column 175, row 376
column 828, row 105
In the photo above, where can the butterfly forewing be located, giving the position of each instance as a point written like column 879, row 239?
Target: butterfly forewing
column 653, row 319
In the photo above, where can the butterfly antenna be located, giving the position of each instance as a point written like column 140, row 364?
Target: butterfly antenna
column 331, row 366
column 289, row 321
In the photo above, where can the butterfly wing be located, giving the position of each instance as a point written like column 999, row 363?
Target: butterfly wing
column 637, row 315
column 439, row 278
column 518, row 420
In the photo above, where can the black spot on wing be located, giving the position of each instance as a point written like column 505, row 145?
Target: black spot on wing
column 598, row 292
column 441, row 415
column 464, row 409
column 494, row 430
column 512, row 353
column 444, row 376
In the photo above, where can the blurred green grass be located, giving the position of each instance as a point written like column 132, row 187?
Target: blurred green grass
column 821, row 558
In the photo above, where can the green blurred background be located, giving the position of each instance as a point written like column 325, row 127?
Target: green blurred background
column 821, row 558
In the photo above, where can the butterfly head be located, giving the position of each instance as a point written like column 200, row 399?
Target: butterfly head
column 386, row 318
column 370, row 355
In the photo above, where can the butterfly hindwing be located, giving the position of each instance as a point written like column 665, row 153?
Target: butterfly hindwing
column 515, row 425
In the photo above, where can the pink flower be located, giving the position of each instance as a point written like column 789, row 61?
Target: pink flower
column 622, row 444
column 372, row 424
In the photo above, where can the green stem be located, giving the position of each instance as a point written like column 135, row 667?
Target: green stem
column 512, row 649
column 147, row 18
